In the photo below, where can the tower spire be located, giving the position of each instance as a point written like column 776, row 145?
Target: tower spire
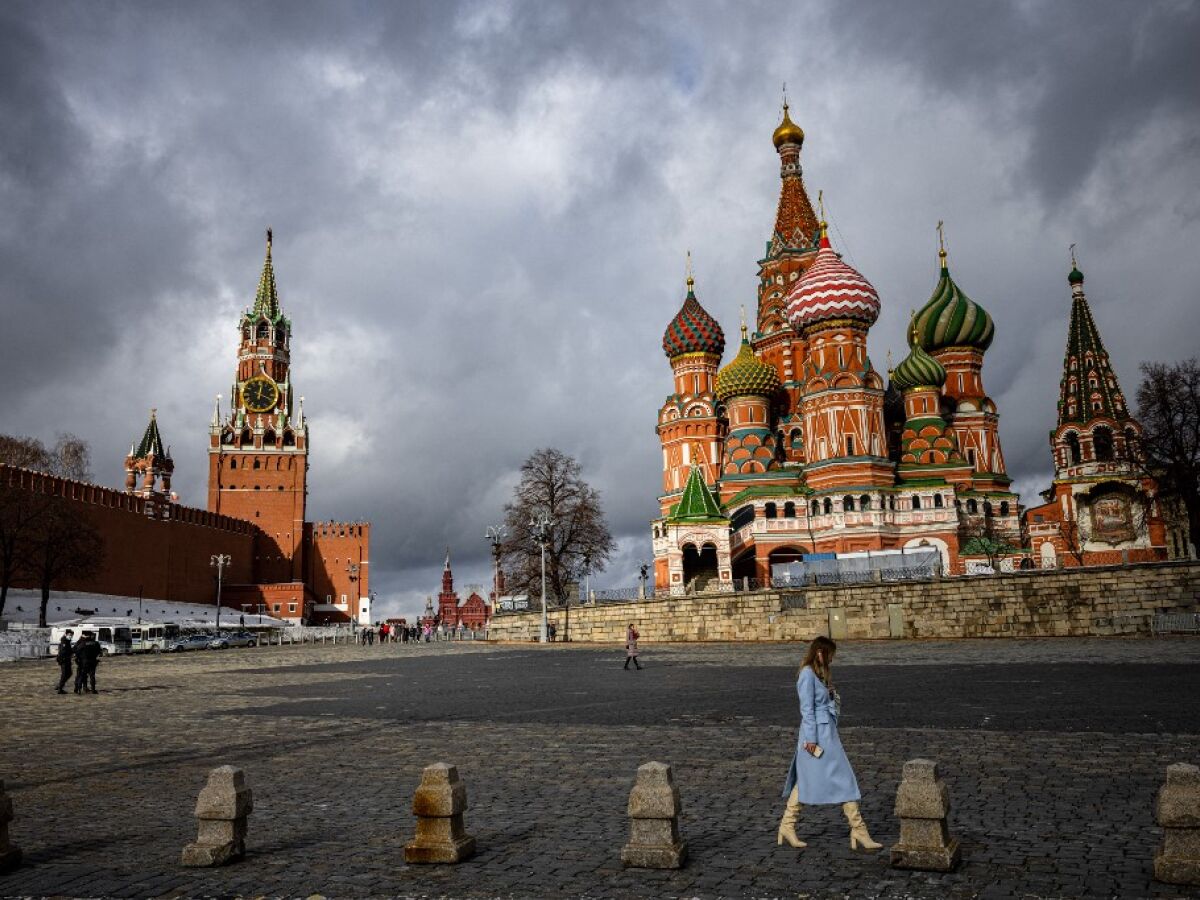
column 691, row 280
column 942, row 245
column 266, row 299
column 1090, row 389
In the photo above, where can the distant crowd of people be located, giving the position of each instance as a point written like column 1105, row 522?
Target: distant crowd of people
column 82, row 657
column 385, row 633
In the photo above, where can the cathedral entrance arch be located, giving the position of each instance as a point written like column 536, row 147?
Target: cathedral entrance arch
column 745, row 566
column 699, row 565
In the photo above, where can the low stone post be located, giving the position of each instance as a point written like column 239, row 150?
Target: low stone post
column 10, row 856
column 221, row 811
column 1178, row 812
column 923, row 803
column 654, row 839
column 438, row 804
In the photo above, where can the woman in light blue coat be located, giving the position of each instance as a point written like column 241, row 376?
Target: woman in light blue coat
column 820, row 772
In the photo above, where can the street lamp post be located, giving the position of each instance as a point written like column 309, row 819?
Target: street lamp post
column 540, row 526
column 139, row 604
column 496, row 535
column 352, row 571
column 644, row 570
column 220, row 561
column 587, row 577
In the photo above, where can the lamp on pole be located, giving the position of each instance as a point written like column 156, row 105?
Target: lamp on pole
column 540, row 526
column 220, row 561
column 496, row 534
column 587, row 577
column 352, row 571
column 644, row 571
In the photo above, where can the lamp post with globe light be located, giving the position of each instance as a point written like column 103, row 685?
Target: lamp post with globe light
column 540, row 526
column 221, row 561
column 496, row 534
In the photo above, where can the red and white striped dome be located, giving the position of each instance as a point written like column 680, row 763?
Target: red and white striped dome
column 830, row 289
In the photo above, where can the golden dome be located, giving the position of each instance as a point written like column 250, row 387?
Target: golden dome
column 788, row 131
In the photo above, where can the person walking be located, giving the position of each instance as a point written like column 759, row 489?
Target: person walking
column 631, row 648
column 63, row 657
column 820, row 773
column 87, row 658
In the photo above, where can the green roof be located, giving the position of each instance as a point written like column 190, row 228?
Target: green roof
column 266, row 300
column 151, row 440
column 698, row 503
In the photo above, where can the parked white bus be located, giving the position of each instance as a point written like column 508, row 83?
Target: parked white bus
column 114, row 638
column 152, row 637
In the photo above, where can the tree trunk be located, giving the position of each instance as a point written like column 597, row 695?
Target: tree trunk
column 1191, row 508
column 45, row 603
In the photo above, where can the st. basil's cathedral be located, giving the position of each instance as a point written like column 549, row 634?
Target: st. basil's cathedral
column 799, row 447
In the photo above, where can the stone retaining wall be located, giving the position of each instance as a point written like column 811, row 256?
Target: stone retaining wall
column 1111, row 600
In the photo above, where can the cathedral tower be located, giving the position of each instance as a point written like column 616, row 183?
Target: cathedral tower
column 258, row 452
column 687, row 422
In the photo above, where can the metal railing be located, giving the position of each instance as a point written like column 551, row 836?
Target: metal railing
column 1175, row 623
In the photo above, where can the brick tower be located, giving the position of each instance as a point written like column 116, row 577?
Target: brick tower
column 258, row 453
column 448, row 599
column 148, row 469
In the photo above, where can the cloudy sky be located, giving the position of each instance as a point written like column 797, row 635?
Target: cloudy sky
column 481, row 212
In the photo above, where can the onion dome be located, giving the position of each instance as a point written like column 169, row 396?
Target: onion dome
column 951, row 318
column 788, row 131
column 1075, row 276
column 918, row 369
column 693, row 330
column 830, row 289
column 747, row 375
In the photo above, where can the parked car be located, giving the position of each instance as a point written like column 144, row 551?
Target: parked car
column 233, row 639
column 189, row 642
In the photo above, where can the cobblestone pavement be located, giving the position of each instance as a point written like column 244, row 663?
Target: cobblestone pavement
column 1053, row 751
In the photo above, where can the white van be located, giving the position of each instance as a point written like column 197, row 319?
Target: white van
column 114, row 639
column 151, row 637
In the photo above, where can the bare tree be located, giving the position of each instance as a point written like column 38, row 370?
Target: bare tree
column 981, row 535
column 63, row 544
column 1075, row 531
column 551, row 485
column 28, row 518
column 1169, row 451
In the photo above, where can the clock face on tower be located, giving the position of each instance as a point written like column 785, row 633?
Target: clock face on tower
column 259, row 394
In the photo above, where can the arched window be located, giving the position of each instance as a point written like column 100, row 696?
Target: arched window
column 770, row 511
column 264, row 331
column 847, row 504
column 269, row 439
column 816, row 508
column 828, row 506
column 1102, row 442
column 247, row 438
column 938, row 502
column 289, row 438
column 789, row 510
column 1004, row 507
column 892, row 503
column 1073, row 454
column 256, row 464
column 864, row 502
column 916, row 502
column 972, row 506
column 233, row 463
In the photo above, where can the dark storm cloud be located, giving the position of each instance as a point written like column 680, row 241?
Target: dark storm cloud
column 481, row 212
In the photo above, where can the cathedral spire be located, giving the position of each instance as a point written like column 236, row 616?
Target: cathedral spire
column 151, row 443
column 795, row 223
column 1089, row 388
column 266, row 301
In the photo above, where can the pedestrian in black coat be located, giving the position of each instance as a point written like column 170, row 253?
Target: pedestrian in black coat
column 87, row 658
column 63, row 658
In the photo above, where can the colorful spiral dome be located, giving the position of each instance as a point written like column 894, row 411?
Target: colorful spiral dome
column 918, row 370
column 693, row 330
column 952, row 319
column 746, row 375
column 830, row 289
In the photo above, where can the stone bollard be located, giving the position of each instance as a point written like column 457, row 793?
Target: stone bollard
column 654, row 839
column 221, row 811
column 923, row 803
column 1178, row 812
column 10, row 856
column 438, row 805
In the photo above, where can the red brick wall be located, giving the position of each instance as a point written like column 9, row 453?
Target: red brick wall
column 331, row 547
column 271, row 496
column 164, row 559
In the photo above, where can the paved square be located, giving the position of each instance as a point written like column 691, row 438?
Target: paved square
column 1053, row 751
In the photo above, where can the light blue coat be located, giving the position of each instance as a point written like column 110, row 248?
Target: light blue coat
column 830, row 778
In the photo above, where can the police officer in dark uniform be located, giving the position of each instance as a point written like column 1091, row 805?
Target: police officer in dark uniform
column 63, row 658
column 87, row 658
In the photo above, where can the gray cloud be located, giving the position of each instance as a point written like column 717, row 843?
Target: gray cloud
column 481, row 212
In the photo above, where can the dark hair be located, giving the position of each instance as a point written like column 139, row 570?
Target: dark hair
column 827, row 648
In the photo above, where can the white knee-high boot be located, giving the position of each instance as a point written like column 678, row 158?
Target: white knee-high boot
column 787, row 825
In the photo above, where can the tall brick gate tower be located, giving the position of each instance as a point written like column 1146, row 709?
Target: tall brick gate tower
column 258, row 471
